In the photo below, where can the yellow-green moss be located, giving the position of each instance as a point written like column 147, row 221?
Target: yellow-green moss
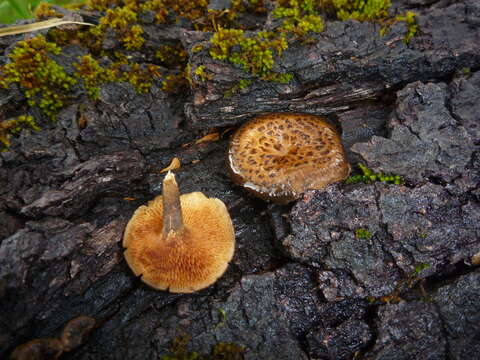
column 371, row 10
column 172, row 10
column 102, row 5
column 140, row 76
column 172, row 56
column 362, row 10
column 369, row 176
column 200, row 72
column 123, row 20
column 299, row 16
column 220, row 351
column 254, row 53
column 14, row 126
column 176, row 83
column 93, row 75
column 227, row 351
column 410, row 23
column 43, row 81
column 409, row 282
column 44, row 11
column 363, row 234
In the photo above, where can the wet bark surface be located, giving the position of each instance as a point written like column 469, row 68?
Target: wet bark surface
column 302, row 284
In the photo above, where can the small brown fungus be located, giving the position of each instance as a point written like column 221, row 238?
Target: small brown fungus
column 76, row 332
column 279, row 156
column 179, row 243
column 38, row 349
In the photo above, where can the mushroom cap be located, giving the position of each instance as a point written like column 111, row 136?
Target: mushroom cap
column 186, row 261
column 278, row 156
column 38, row 349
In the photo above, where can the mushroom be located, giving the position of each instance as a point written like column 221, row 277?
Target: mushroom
column 76, row 332
column 38, row 349
column 278, row 156
column 179, row 243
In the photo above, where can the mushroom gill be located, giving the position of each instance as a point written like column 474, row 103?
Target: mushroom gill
column 278, row 156
column 179, row 243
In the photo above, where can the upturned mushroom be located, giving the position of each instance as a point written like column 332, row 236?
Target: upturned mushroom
column 179, row 243
column 279, row 156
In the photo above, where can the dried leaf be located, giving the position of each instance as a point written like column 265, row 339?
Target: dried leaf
column 175, row 164
column 20, row 29
column 227, row 130
column 129, row 198
column 209, row 137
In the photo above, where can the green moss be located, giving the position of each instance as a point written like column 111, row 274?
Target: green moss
column 123, row 20
column 363, row 234
column 176, row 83
column 172, row 56
column 221, row 351
column 368, row 176
column 227, row 351
column 13, row 127
column 170, row 11
column 140, row 76
column 299, row 16
column 101, row 5
column 362, row 10
column 420, row 267
column 178, row 350
column 43, row 81
column 200, row 72
column 372, row 10
column 44, row 11
column 93, row 75
column 253, row 52
column 411, row 23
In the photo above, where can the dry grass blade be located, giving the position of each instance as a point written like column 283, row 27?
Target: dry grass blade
column 20, row 29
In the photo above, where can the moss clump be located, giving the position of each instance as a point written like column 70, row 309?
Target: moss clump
column 176, row 83
column 221, row 351
column 171, row 10
column 403, row 285
column 368, row 176
column 43, row 81
column 362, row 10
column 372, row 10
column 101, row 5
column 299, row 16
column 201, row 73
column 123, row 20
column 410, row 22
column 227, row 351
column 44, row 11
column 14, row 126
column 254, row 52
column 140, row 76
column 363, row 234
column 178, row 350
column 172, row 56
column 93, row 75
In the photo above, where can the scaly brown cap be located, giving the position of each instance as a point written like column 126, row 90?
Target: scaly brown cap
column 279, row 156
column 179, row 243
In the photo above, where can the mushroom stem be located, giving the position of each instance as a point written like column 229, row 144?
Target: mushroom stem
column 172, row 210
